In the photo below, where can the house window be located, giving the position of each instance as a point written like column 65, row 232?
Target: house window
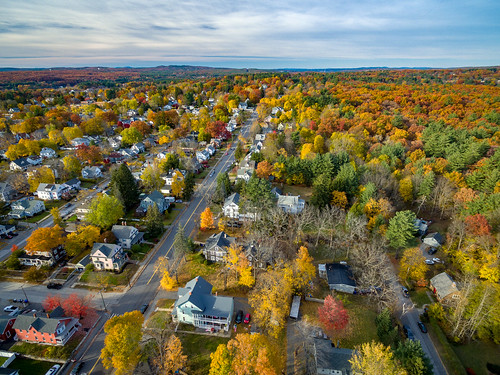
column 7, row 334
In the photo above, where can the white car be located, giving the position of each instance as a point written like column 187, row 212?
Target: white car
column 436, row 260
column 53, row 370
column 10, row 308
column 429, row 262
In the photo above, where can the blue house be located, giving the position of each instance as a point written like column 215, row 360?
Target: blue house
column 154, row 198
column 196, row 305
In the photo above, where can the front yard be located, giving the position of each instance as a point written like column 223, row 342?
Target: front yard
column 47, row 351
column 199, row 348
column 109, row 279
column 30, row 366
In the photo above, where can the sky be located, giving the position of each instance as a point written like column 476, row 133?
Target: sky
column 265, row 34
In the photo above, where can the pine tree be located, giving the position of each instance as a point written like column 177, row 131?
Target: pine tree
column 181, row 242
column 124, row 186
column 153, row 220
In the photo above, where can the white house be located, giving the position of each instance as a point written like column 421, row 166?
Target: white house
column 127, row 235
column 48, row 153
column 210, row 149
column 107, row 256
column 91, row 172
column 80, row 142
column 291, row 204
column 138, row 147
column 6, row 192
column 20, row 164
column 202, row 156
column 231, row 208
column 49, row 192
column 26, row 207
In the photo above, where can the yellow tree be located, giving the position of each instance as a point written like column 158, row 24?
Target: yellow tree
column 270, row 300
column 167, row 282
column 40, row 175
column 307, row 151
column 173, row 357
column 206, row 219
column 264, row 169
column 412, row 266
column 304, row 268
column 121, row 346
column 374, row 359
column 339, row 199
column 177, row 184
column 319, row 144
column 245, row 271
column 406, row 189
column 233, row 257
column 56, row 216
column 44, row 239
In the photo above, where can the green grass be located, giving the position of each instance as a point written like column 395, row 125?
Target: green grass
column 72, row 218
column 30, row 367
column 419, row 297
column 109, row 278
column 304, row 191
column 200, row 347
column 445, row 350
column 37, row 218
column 139, row 251
column 88, row 184
column 477, row 354
column 165, row 303
column 196, row 265
column 2, row 360
column 47, row 351
column 170, row 217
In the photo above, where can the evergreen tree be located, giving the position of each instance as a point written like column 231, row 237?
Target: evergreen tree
column 412, row 358
column 181, row 242
column 346, row 180
column 223, row 184
column 258, row 192
column 153, row 221
column 124, row 186
column 239, row 153
column 187, row 193
column 322, row 191
column 401, row 229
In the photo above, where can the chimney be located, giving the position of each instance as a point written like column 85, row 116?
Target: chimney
column 34, row 315
column 48, row 315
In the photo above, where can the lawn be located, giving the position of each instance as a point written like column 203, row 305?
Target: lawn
column 139, row 251
column 30, row 367
column 445, row 349
column 200, row 347
column 362, row 314
column 304, row 191
column 159, row 320
column 64, row 273
column 170, row 217
column 110, row 278
column 47, row 351
column 419, row 297
column 196, row 265
column 165, row 303
column 2, row 360
column 477, row 354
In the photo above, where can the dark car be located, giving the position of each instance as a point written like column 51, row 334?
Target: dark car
column 408, row 333
column 239, row 317
column 422, row 327
column 144, row 308
column 54, row 286
column 432, row 251
column 77, row 368
column 14, row 234
column 247, row 319
column 405, row 292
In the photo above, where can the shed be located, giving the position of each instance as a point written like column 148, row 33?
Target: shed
column 294, row 311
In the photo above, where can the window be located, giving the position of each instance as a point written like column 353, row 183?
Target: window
column 7, row 334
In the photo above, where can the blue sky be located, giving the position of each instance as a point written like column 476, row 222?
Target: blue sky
column 250, row 34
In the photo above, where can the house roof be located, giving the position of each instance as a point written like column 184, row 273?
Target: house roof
column 339, row 274
column 156, row 197
column 4, row 320
column 199, row 292
column 41, row 324
column 330, row 358
column 444, row 285
column 72, row 182
column 220, row 239
column 21, row 162
column 108, row 249
column 233, row 198
column 84, row 261
column 435, row 236
column 122, row 231
column 288, row 200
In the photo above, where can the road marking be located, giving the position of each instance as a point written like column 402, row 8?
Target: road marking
column 187, row 221
column 95, row 364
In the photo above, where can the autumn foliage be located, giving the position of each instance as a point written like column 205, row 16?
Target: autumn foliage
column 206, row 219
column 332, row 315
column 73, row 305
column 477, row 225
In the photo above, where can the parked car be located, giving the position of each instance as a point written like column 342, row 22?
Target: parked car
column 14, row 234
column 247, row 319
column 408, row 333
column 77, row 368
column 144, row 308
column 430, row 262
column 422, row 327
column 437, row 260
column 432, row 251
column 405, row 292
column 10, row 308
column 239, row 317
column 54, row 286
column 53, row 370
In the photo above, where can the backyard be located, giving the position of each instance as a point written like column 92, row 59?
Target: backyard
column 200, row 347
column 477, row 354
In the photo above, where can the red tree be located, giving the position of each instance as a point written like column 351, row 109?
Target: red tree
column 14, row 248
column 332, row 315
column 477, row 225
column 217, row 129
column 75, row 306
column 51, row 302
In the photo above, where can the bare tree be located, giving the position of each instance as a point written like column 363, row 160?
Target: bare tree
column 442, row 195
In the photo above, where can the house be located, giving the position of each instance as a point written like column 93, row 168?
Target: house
column 6, row 229
column 196, row 305
column 82, row 208
column 127, row 153
column 83, row 263
column 91, row 172
column 48, row 153
column 260, row 137
column 245, row 175
column 138, row 148
column 73, row 184
column 231, row 208
column 115, row 142
column 115, row 157
column 53, row 329
column 421, row 227
column 6, row 328
column 43, row 258
column 80, row 142
column 6, row 192
column 245, row 169
column 106, row 256
column 276, row 192
column 154, row 198
column 291, row 204
column 20, row 164
column 202, row 156
column 434, row 240
column 127, row 235
column 34, row 160
column 443, row 286
column 331, row 360
column 49, row 192
column 339, row 277
column 210, row 149
column 26, row 207
column 258, row 256
column 216, row 245
column 173, row 174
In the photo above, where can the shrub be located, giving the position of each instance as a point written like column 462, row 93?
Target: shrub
column 34, row 274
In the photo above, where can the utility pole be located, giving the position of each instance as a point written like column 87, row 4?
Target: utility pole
column 104, row 304
column 25, row 294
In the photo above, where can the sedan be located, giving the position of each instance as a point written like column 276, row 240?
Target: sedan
column 10, row 308
column 422, row 327
column 430, row 262
column 54, row 286
column 144, row 308
column 77, row 368
column 239, row 317
column 247, row 319
column 408, row 333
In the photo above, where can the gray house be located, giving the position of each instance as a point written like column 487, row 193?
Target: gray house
column 231, row 208
column 196, row 305
column 216, row 246
column 127, row 235
column 339, row 277
column 6, row 192
column 331, row 360
column 434, row 240
column 26, row 207
column 154, row 197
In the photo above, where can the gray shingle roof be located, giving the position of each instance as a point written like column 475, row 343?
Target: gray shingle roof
column 233, row 198
column 220, row 239
column 44, row 325
column 339, row 274
column 331, row 358
column 106, row 248
column 4, row 320
column 444, row 285
column 122, row 231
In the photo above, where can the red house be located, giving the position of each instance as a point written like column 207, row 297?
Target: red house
column 54, row 329
column 6, row 330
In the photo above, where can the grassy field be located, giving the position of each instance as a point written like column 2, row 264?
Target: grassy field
column 139, row 251
column 170, row 217
column 419, row 297
column 110, row 278
column 445, row 349
column 477, row 354
column 200, row 347
column 30, row 367
column 165, row 303
column 362, row 314
column 304, row 191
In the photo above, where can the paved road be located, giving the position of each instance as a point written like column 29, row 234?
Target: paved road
column 146, row 285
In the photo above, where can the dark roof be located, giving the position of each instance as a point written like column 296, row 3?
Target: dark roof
column 220, row 239
column 4, row 320
column 41, row 324
column 339, row 274
column 106, row 248
column 436, row 236
column 22, row 162
column 8, row 371
column 330, row 358
column 233, row 198
column 122, row 231
column 73, row 181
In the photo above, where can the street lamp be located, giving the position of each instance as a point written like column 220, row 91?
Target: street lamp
column 26, row 300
